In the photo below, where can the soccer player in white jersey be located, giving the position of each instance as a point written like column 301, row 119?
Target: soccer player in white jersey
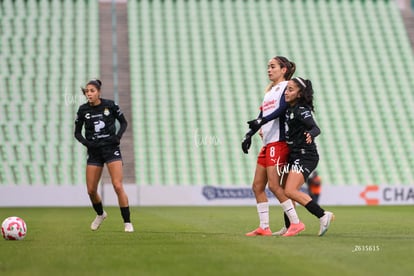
column 275, row 152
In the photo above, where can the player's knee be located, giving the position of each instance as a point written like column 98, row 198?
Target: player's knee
column 275, row 189
column 289, row 192
column 257, row 189
column 119, row 189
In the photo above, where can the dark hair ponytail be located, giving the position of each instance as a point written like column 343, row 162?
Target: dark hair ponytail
column 306, row 91
column 289, row 65
column 292, row 70
column 95, row 82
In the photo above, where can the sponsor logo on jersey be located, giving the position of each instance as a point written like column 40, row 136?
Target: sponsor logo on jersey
column 306, row 114
column 269, row 105
column 98, row 126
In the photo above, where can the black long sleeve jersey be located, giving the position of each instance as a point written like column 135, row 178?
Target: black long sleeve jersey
column 299, row 120
column 99, row 122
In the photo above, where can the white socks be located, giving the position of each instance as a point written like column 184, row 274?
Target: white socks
column 263, row 211
column 288, row 208
column 290, row 211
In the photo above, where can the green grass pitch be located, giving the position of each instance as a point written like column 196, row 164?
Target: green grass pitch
column 209, row 241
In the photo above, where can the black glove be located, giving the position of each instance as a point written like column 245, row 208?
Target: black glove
column 256, row 124
column 246, row 143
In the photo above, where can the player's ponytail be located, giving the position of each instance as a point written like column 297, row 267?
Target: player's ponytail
column 289, row 65
column 292, row 70
column 95, row 82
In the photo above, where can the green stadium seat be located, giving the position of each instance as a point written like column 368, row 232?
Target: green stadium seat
column 44, row 47
column 197, row 75
column 214, row 55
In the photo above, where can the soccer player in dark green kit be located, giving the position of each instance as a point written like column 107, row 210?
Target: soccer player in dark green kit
column 99, row 116
column 301, row 130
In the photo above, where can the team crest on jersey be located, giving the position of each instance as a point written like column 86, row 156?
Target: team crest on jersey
column 292, row 115
column 106, row 111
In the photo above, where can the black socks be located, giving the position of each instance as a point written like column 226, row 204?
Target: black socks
column 98, row 208
column 287, row 221
column 315, row 209
column 125, row 214
column 124, row 211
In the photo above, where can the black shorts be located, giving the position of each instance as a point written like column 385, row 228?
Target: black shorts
column 100, row 156
column 304, row 164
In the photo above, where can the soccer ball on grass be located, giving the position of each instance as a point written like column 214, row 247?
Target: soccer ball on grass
column 13, row 228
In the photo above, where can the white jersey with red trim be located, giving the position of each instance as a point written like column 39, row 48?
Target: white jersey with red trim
column 273, row 131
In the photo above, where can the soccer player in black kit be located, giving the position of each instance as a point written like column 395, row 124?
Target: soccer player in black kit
column 301, row 131
column 99, row 116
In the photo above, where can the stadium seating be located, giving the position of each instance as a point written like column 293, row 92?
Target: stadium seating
column 198, row 69
column 49, row 49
